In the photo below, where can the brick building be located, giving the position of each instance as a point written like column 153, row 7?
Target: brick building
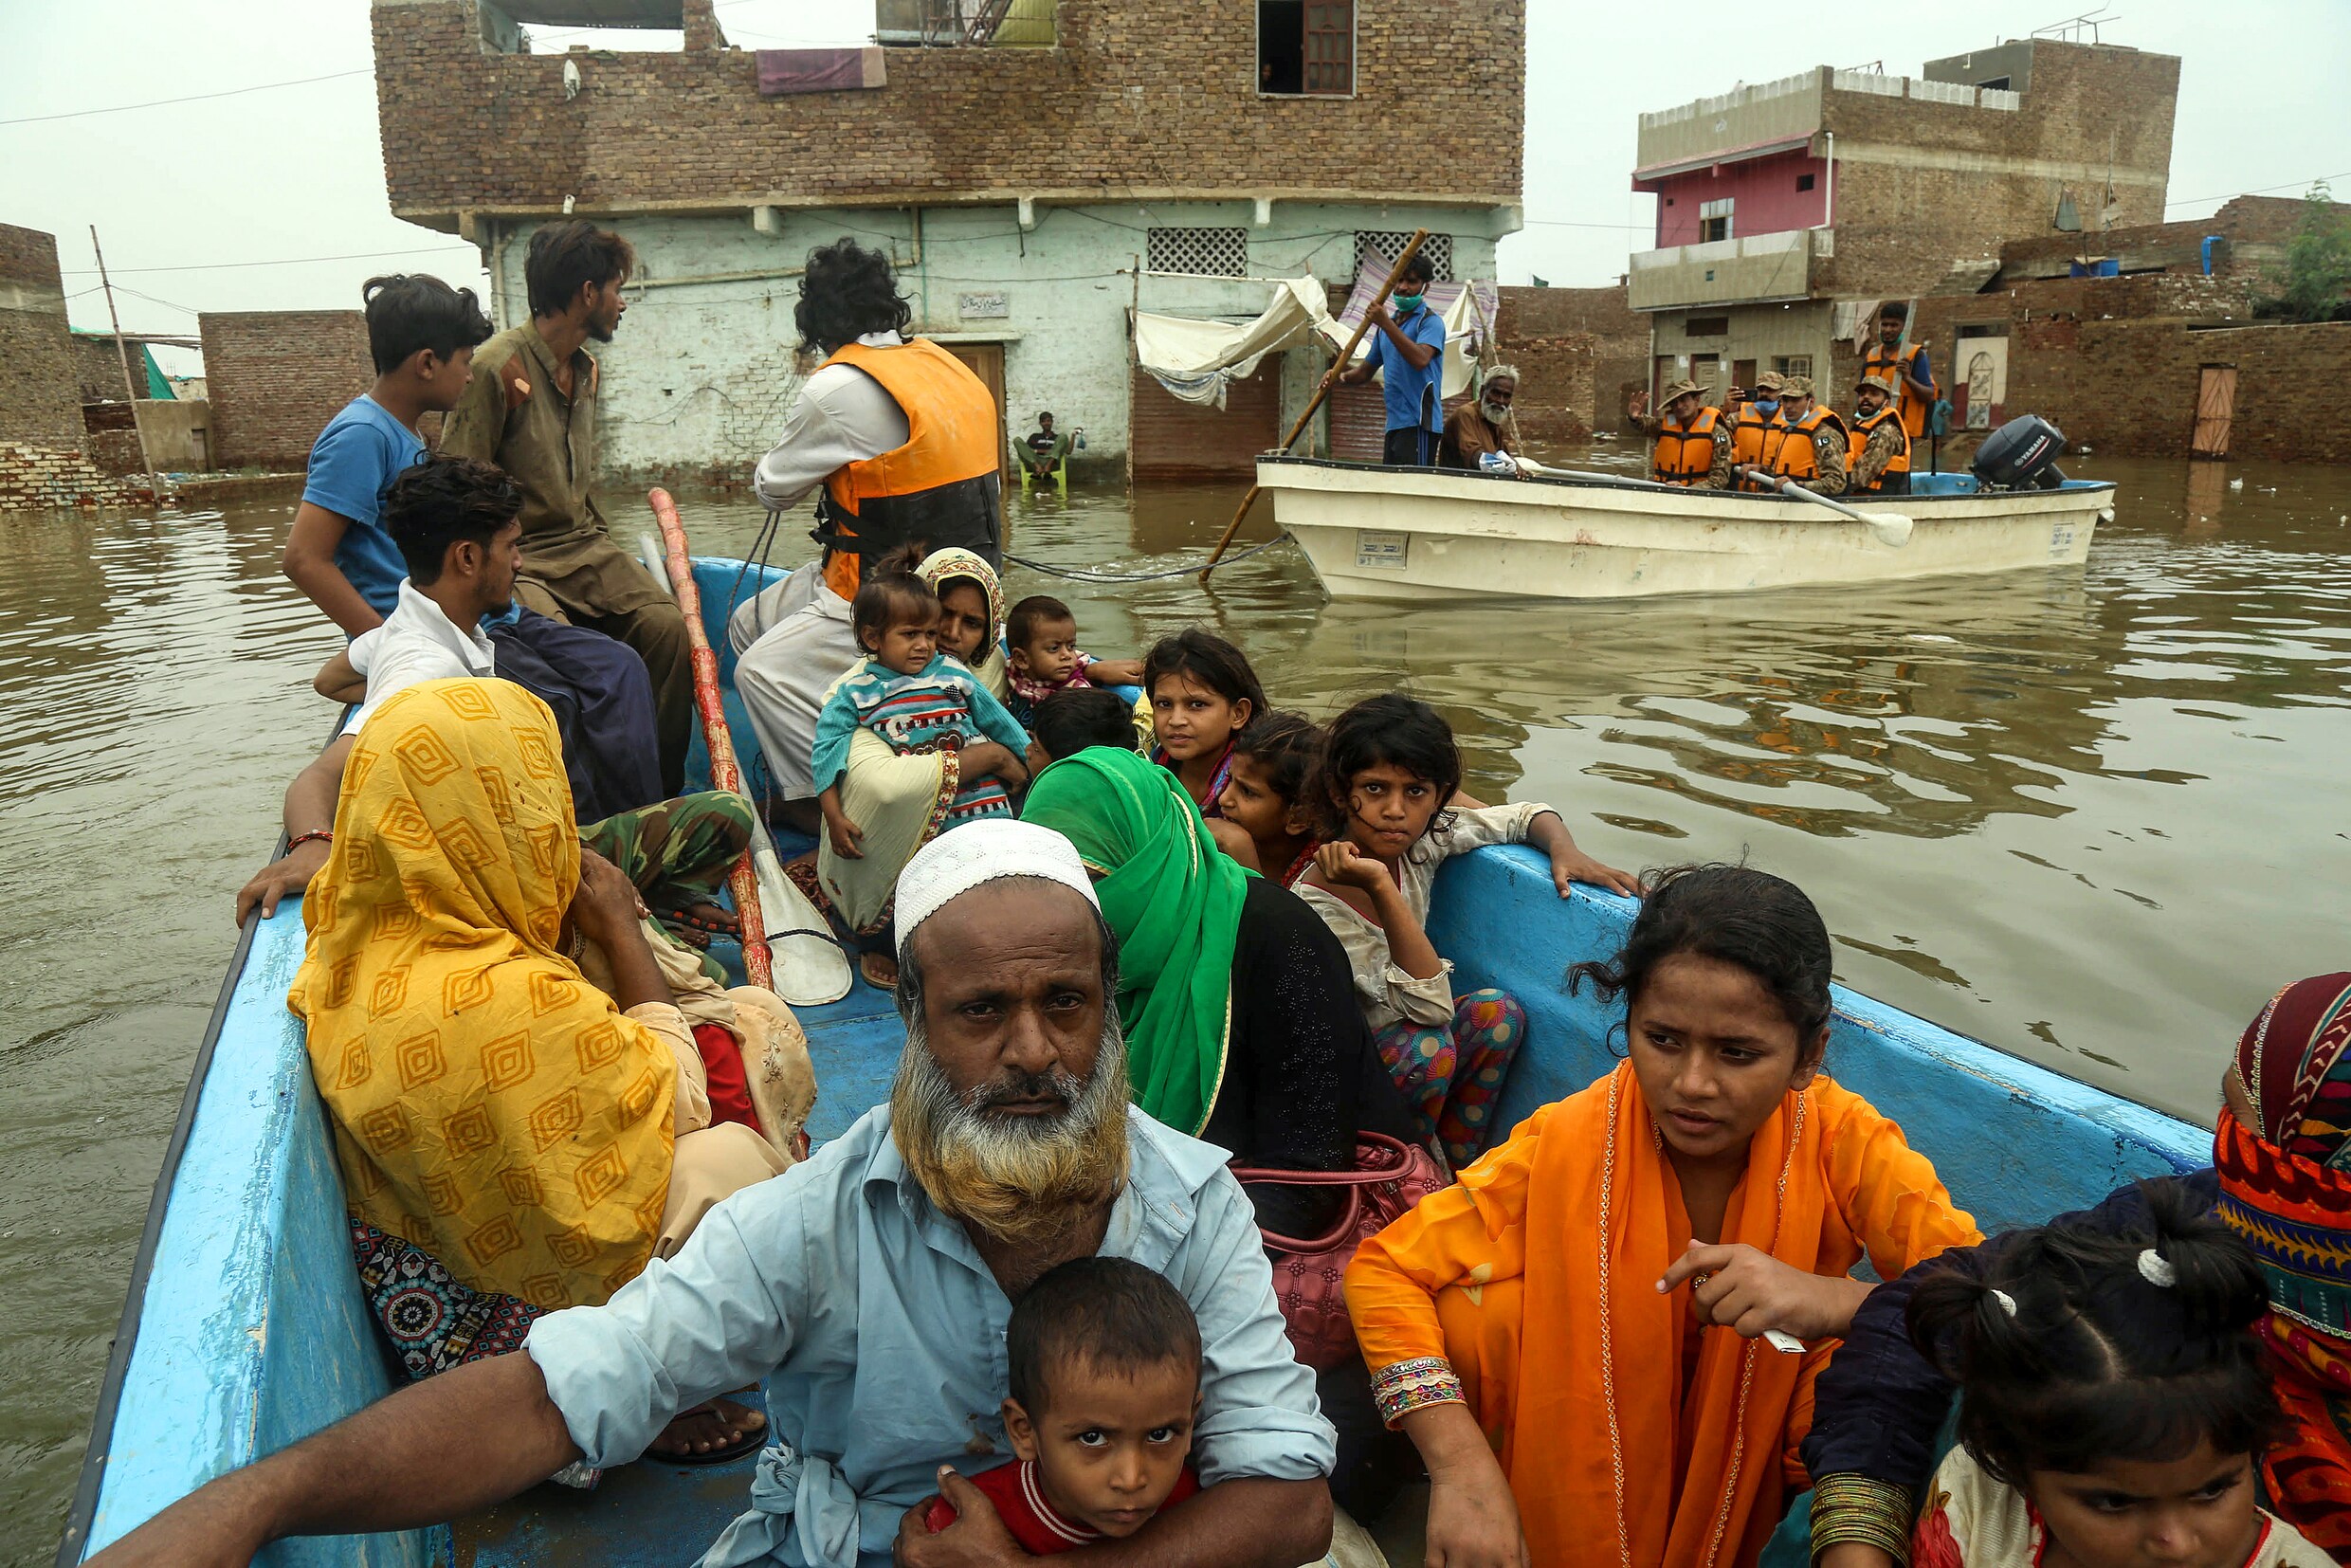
column 275, row 377
column 1778, row 204
column 39, row 398
column 1034, row 188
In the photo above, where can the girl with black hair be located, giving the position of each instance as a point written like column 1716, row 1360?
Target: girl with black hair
column 1388, row 793
column 1575, row 1336
column 2113, row 1405
column 1202, row 694
column 1267, row 795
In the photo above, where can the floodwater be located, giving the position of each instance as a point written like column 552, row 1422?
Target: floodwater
column 2092, row 816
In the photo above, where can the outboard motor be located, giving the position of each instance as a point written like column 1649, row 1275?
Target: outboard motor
column 2020, row 455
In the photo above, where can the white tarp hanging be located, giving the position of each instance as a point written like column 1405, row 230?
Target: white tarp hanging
column 1197, row 360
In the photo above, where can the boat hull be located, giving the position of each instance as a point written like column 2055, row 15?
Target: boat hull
column 1422, row 533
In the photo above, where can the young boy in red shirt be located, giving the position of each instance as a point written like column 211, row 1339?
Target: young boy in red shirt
column 1106, row 1382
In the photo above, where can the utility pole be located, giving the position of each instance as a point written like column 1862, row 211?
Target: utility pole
column 130, row 389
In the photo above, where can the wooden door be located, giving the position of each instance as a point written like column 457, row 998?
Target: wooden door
column 986, row 360
column 2215, row 408
column 1173, row 439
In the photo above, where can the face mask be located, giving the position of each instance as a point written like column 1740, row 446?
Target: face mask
column 1766, row 407
column 1407, row 304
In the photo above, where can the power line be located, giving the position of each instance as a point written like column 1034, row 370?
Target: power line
column 192, row 97
column 287, row 261
column 2290, row 185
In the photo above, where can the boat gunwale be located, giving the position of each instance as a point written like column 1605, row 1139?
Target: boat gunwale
column 91, row 1483
column 1631, row 485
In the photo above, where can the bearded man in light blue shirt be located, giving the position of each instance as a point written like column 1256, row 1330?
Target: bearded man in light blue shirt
column 872, row 1286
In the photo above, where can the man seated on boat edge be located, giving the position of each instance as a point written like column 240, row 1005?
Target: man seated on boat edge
column 532, row 411
column 1482, row 430
column 1007, row 1146
column 897, row 440
column 455, row 522
column 1879, row 448
column 1690, row 442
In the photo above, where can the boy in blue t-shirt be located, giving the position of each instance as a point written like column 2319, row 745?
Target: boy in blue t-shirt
column 421, row 332
column 1408, row 352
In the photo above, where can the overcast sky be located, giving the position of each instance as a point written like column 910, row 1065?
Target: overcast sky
column 275, row 198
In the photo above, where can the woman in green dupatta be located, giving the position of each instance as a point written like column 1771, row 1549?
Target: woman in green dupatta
column 1237, row 1003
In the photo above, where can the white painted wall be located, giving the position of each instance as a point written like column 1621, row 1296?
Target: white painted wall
column 700, row 373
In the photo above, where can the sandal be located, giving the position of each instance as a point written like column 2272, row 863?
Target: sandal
column 878, row 969
column 752, row 1437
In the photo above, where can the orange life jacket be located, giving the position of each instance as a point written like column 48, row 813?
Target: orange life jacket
column 1788, row 449
column 1880, row 360
column 1857, row 439
column 942, row 487
column 1683, row 454
column 1747, row 438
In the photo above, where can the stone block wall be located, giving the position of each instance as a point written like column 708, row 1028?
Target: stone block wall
column 40, row 400
column 1137, row 97
column 275, row 377
column 41, row 477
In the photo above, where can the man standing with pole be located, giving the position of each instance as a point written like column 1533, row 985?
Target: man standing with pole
column 1410, row 354
column 130, row 389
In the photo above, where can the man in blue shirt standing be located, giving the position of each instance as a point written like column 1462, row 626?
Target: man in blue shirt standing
column 1408, row 349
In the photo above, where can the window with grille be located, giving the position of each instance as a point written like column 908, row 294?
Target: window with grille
column 1714, row 220
column 1793, row 364
column 1437, row 250
column 1209, row 252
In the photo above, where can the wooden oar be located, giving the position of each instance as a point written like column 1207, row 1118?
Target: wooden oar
column 1346, row 356
column 742, row 880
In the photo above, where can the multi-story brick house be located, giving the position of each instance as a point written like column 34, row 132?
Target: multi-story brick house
column 1080, row 161
column 1779, row 203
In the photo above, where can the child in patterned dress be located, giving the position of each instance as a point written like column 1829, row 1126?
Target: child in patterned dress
column 917, row 700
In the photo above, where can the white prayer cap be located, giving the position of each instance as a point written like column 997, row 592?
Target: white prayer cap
column 986, row 850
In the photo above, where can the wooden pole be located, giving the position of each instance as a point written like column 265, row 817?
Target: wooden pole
column 122, row 350
column 1346, row 356
column 742, row 880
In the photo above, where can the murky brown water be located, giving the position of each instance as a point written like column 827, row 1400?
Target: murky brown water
column 2094, row 816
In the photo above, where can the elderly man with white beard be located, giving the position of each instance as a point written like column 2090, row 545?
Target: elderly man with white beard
column 872, row 1286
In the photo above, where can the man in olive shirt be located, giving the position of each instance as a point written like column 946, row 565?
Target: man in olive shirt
column 531, row 408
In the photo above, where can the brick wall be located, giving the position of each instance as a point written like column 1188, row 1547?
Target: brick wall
column 1140, row 96
column 1572, row 347
column 37, row 396
column 276, row 378
column 1901, row 223
column 41, row 478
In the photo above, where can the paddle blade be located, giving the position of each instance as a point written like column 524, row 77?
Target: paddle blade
column 1890, row 529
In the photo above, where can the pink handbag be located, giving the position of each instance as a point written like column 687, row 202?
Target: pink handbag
column 1389, row 1177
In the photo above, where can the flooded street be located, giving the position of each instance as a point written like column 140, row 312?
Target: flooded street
column 2094, row 816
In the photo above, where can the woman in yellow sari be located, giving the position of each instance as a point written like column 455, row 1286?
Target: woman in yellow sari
column 511, row 1139
column 1572, row 1337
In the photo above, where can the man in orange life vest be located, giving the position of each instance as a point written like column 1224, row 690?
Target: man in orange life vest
column 1806, row 442
column 1692, row 443
column 1879, row 451
column 902, row 437
column 1749, row 417
column 1905, row 370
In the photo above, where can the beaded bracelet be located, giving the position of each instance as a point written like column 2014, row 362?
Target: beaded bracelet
column 299, row 839
column 1858, row 1508
column 1408, row 1386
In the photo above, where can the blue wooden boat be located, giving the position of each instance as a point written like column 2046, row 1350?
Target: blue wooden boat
column 244, row 1329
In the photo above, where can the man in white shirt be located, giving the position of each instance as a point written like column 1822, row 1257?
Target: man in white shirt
column 467, row 515
column 879, row 394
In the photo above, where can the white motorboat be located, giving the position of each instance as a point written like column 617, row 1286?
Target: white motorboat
column 1382, row 533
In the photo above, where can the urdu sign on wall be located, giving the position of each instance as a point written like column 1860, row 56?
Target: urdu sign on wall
column 992, row 307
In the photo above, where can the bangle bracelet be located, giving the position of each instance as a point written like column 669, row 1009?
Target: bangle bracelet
column 299, row 839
